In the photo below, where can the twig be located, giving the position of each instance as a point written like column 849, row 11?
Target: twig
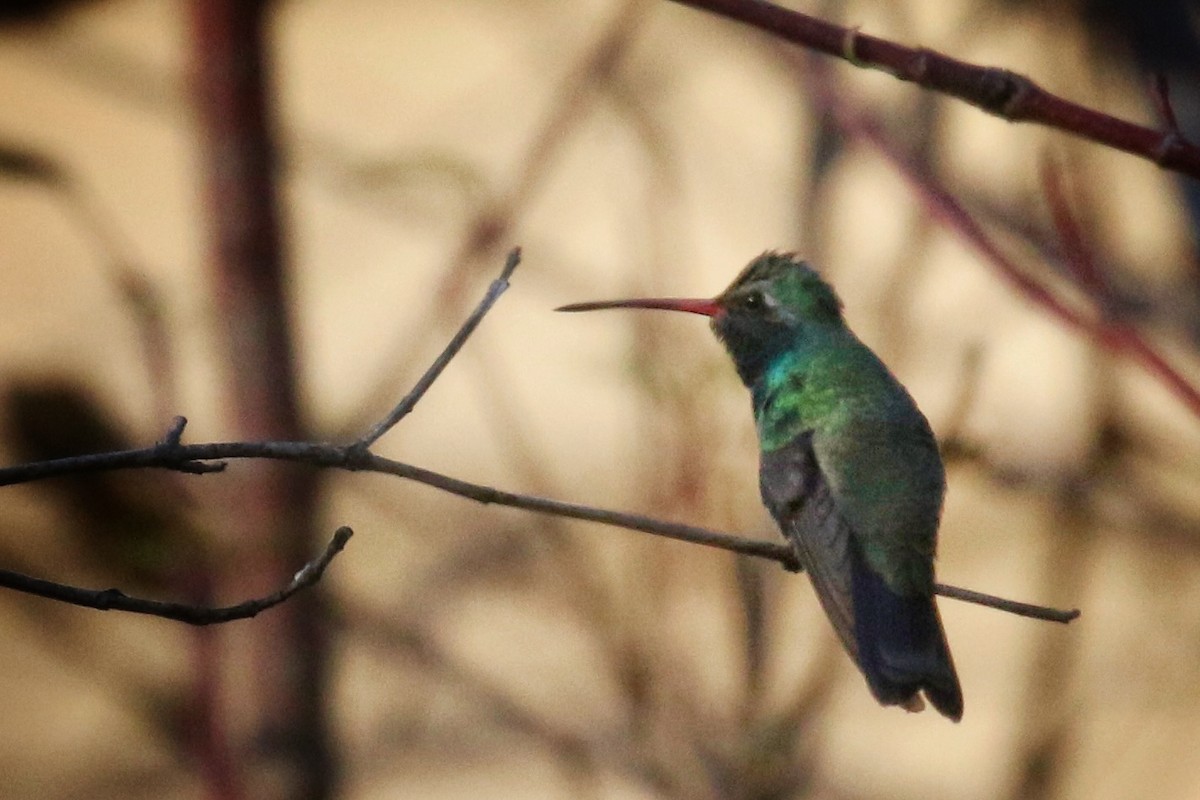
column 1002, row 604
column 350, row 457
column 1078, row 257
column 115, row 599
column 1006, row 94
column 1160, row 91
column 19, row 162
column 410, row 400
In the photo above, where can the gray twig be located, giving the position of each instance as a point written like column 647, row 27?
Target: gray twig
column 115, row 599
column 410, row 400
column 1011, row 606
column 188, row 457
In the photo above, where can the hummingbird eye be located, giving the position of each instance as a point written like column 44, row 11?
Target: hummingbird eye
column 754, row 301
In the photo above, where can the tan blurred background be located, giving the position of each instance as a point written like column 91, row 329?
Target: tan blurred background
column 629, row 147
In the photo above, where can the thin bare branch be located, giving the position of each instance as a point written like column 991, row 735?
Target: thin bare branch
column 1006, row 94
column 1076, row 253
column 1160, row 91
column 410, row 400
column 115, row 599
column 188, row 457
column 1002, row 604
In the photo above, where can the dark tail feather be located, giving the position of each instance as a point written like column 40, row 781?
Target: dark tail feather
column 901, row 645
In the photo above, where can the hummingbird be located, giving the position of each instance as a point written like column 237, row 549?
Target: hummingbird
column 849, row 468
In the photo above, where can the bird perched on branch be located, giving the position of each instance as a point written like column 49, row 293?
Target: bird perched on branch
column 849, row 469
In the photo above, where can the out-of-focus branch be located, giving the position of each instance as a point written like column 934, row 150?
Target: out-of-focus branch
column 1112, row 334
column 496, row 218
column 278, row 716
column 116, row 600
column 1160, row 91
column 22, row 162
column 1006, row 94
column 1084, row 269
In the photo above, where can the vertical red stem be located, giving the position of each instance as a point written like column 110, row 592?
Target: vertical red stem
column 278, row 661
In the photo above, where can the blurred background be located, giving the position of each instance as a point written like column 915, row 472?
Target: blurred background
column 631, row 148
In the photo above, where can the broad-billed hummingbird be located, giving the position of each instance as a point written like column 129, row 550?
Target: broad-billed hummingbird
column 849, row 469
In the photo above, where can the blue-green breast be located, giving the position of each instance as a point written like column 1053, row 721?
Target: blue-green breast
column 872, row 444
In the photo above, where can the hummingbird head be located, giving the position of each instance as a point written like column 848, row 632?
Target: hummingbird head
column 776, row 304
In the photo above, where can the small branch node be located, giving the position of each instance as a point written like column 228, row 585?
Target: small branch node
column 919, row 67
column 108, row 598
column 850, row 46
column 1166, row 147
column 356, row 456
column 1016, row 94
column 312, row 571
column 175, row 433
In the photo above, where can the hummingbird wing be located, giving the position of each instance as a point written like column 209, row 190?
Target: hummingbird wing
column 799, row 498
column 893, row 633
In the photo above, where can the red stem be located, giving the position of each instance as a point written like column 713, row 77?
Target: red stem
column 939, row 203
column 281, row 657
column 998, row 91
column 1084, row 269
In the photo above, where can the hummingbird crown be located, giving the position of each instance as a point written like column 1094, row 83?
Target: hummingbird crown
column 772, row 307
column 782, row 283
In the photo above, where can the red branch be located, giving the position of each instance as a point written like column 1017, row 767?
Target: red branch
column 1113, row 335
column 281, row 696
column 1006, row 94
column 1086, row 273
